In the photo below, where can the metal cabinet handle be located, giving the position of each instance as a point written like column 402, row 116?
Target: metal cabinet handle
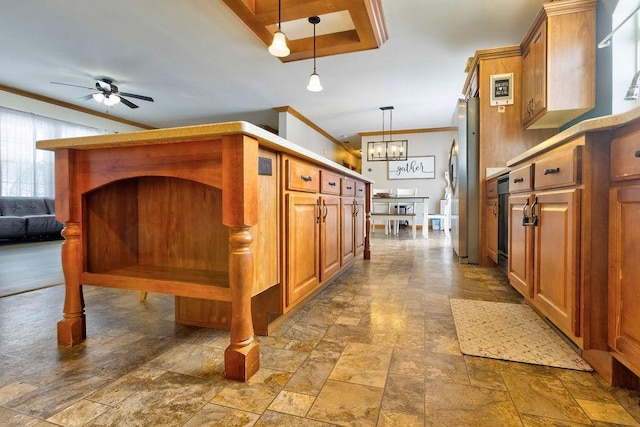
column 349, row 187
column 318, row 211
column 355, row 209
column 551, row 170
column 326, row 211
column 533, row 219
column 517, row 180
column 525, row 217
column 495, row 210
column 306, row 178
column 637, row 153
column 332, row 183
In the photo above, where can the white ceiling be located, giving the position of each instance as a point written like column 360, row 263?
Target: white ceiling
column 201, row 64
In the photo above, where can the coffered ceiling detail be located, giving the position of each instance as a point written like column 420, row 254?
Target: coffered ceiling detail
column 345, row 25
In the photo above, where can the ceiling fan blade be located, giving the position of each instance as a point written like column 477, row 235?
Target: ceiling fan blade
column 67, row 84
column 133, row 95
column 127, row 102
column 86, row 97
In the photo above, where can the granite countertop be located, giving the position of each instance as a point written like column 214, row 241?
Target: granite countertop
column 595, row 124
column 496, row 172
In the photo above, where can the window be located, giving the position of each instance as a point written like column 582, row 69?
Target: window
column 24, row 170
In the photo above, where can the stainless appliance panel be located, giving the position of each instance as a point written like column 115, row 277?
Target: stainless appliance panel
column 465, row 207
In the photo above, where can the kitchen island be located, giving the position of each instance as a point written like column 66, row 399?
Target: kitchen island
column 213, row 214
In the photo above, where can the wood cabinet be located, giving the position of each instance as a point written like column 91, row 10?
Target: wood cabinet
column 323, row 232
column 353, row 221
column 624, row 249
column 555, row 261
column 330, row 237
column 534, row 66
column 491, row 215
column 520, row 263
column 556, row 235
column 302, row 246
column 558, row 56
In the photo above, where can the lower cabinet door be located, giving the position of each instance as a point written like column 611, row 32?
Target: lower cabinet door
column 520, row 263
column 360, row 221
column 624, row 274
column 491, row 229
column 330, row 237
column 303, row 245
column 348, row 249
column 556, row 246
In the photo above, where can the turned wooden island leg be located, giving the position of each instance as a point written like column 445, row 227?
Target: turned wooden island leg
column 72, row 328
column 240, row 213
column 242, row 357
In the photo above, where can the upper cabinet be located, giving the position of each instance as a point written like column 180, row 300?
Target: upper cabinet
column 558, row 64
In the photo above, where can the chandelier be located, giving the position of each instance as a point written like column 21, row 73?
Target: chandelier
column 387, row 150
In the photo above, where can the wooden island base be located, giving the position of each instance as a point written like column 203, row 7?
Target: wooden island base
column 196, row 212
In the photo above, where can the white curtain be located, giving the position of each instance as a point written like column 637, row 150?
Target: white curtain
column 24, row 170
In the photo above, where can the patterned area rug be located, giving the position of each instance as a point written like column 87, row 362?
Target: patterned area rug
column 511, row 332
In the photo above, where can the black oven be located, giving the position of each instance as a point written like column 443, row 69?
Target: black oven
column 503, row 221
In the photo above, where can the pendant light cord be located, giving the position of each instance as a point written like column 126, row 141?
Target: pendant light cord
column 314, row 47
column 279, row 17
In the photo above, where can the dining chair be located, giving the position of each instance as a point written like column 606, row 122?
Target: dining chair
column 380, row 207
column 404, row 207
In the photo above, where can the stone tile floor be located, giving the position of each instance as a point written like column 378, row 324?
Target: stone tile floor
column 377, row 347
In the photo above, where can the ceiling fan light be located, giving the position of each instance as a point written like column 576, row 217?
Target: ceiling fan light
column 111, row 100
column 314, row 83
column 98, row 97
column 279, row 46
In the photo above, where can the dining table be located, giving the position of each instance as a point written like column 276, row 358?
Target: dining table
column 397, row 201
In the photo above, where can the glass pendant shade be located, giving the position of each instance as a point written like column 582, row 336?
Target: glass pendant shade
column 111, row 100
column 314, row 83
column 279, row 46
column 98, row 97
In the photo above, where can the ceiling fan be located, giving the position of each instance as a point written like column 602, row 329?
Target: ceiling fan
column 107, row 93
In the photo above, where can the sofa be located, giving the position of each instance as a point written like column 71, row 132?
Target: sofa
column 28, row 218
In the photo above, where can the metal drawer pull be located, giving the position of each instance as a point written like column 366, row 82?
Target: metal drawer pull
column 306, row 178
column 349, row 187
column 517, row 180
column 637, row 153
column 551, row 170
column 332, row 183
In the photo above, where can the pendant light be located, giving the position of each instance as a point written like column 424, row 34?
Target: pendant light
column 314, row 81
column 279, row 46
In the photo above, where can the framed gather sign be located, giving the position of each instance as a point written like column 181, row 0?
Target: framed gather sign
column 413, row 168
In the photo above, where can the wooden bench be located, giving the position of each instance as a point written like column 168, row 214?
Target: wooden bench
column 411, row 217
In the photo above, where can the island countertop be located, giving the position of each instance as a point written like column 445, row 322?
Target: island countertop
column 195, row 133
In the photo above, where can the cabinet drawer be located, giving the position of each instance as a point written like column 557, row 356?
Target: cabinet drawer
column 492, row 189
column 329, row 183
column 625, row 157
column 559, row 170
column 360, row 187
column 521, row 179
column 348, row 187
column 302, row 176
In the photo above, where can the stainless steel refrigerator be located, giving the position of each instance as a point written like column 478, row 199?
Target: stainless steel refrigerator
column 464, row 175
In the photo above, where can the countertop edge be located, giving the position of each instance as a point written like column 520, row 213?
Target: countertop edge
column 194, row 133
column 596, row 124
